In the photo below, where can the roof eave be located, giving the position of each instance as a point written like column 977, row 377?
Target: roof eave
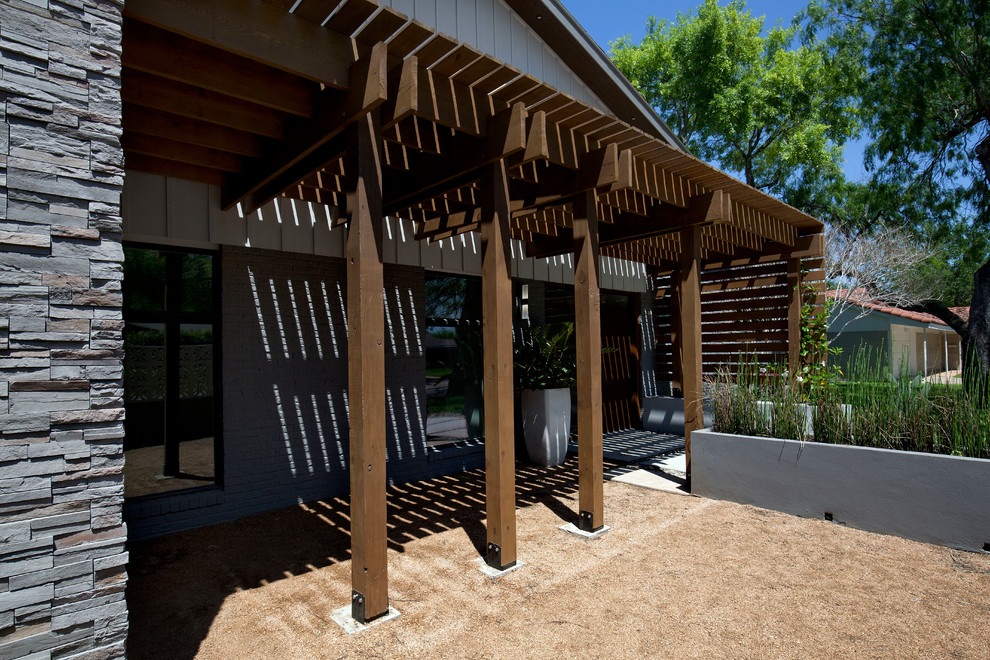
column 561, row 31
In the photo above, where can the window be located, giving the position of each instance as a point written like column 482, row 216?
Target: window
column 170, row 370
column 454, row 360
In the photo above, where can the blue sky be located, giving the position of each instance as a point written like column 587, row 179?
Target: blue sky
column 607, row 21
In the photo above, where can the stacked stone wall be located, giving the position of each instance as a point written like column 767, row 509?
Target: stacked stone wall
column 62, row 552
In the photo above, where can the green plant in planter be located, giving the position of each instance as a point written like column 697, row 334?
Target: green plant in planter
column 816, row 376
column 545, row 360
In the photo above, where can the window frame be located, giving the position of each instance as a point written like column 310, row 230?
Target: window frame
column 166, row 317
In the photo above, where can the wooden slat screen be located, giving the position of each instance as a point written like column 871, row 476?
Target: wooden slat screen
column 743, row 312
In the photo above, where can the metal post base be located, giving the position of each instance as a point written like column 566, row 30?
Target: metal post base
column 494, row 558
column 585, row 523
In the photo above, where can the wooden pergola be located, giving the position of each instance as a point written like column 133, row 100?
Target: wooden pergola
column 355, row 106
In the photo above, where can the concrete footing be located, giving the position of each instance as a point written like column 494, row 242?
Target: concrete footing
column 571, row 528
column 351, row 625
column 494, row 573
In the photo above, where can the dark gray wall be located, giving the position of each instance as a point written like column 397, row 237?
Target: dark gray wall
column 285, row 408
column 853, row 344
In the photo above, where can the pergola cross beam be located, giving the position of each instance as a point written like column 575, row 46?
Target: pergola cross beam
column 464, row 157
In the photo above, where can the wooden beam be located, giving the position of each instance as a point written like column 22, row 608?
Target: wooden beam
column 403, row 92
column 706, row 208
column 293, row 158
column 168, row 55
column 804, row 246
column 136, row 143
column 496, row 285
column 160, row 124
column 556, row 185
column 165, row 167
column 257, row 31
column 463, row 158
column 587, row 317
column 762, row 224
column 149, row 91
column 449, row 224
column 314, row 11
column 543, row 247
column 351, row 15
column 689, row 334
column 366, row 374
column 710, row 208
column 794, row 361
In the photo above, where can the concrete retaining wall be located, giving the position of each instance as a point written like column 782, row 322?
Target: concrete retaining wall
column 926, row 497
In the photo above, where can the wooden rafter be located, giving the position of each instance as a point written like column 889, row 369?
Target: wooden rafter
column 255, row 122
column 150, row 91
column 463, row 159
column 172, row 56
column 256, row 31
column 304, row 149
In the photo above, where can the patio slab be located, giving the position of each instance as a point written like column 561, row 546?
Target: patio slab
column 633, row 445
column 651, row 479
column 676, row 577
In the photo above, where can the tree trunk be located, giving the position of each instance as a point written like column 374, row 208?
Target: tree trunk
column 983, row 155
column 976, row 363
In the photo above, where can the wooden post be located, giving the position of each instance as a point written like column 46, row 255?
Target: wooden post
column 496, row 293
column 689, row 322
column 587, row 324
column 794, row 361
column 366, row 373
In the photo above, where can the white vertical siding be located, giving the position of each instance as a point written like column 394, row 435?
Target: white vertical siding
column 493, row 28
column 184, row 213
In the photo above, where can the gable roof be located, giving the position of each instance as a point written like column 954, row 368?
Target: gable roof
column 572, row 43
column 207, row 101
column 859, row 298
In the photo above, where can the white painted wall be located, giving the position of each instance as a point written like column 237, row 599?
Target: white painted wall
column 493, row 28
column 169, row 211
column 909, row 342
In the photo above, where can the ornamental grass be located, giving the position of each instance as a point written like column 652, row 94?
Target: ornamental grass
column 866, row 406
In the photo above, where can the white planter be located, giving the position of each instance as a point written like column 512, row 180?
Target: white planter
column 546, row 421
column 926, row 497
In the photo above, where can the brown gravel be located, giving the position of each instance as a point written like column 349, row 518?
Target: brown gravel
column 676, row 577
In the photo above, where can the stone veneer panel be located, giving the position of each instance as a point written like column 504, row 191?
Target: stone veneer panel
column 62, row 554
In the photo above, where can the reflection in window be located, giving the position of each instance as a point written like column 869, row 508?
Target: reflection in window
column 454, row 360
column 169, row 371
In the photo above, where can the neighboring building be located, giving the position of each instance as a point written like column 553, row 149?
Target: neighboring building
column 167, row 364
column 908, row 343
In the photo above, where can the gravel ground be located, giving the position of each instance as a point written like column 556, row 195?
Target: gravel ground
column 676, row 577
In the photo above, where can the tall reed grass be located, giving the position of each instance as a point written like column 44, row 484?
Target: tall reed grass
column 869, row 408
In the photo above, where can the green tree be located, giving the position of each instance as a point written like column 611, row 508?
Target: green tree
column 926, row 104
column 748, row 98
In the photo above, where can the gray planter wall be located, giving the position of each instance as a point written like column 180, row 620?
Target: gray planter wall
column 926, row 497
column 62, row 556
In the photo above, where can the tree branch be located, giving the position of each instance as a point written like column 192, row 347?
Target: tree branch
column 943, row 313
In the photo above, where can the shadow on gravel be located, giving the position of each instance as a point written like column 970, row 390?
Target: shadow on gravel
column 177, row 583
